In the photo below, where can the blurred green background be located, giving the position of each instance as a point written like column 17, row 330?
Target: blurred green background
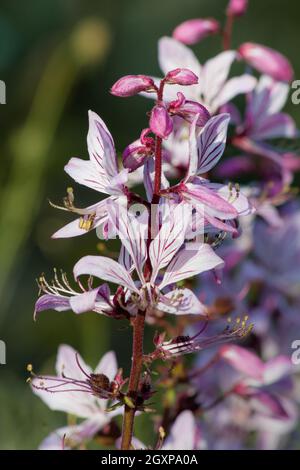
column 58, row 59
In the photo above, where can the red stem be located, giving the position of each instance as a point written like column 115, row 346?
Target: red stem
column 139, row 321
column 227, row 33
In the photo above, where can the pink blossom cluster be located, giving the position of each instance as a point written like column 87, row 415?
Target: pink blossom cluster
column 211, row 265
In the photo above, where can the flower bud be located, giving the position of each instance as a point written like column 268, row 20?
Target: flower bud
column 181, row 77
column 131, row 85
column 237, row 7
column 187, row 110
column 161, row 123
column 192, row 31
column 136, row 153
column 267, row 60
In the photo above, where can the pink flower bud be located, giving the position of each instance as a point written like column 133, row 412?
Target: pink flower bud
column 187, row 110
column 267, row 60
column 161, row 123
column 192, row 31
column 139, row 151
column 237, row 7
column 131, row 85
column 181, row 77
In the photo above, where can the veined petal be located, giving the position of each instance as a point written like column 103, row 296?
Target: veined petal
column 234, row 197
column 84, row 172
column 170, row 236
column 133, row 233
column 209, row 145
column 52, row 302
column 73, row 229
column 218, row 206
column 84, row 302
column 189, row 262
column 106, row 269
column 101, row 147
column 181, row 302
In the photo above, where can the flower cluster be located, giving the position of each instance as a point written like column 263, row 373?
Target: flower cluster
column 204, row 261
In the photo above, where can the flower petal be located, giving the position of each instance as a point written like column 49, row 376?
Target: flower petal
column 209, row 145
column 181, row 302
column 183, row 434
column 133, row 233
column 243, row 361
column 191, row 260
column 214, row 75
column 170, row 237
column 108, row 365
column 106, row 269
column 233, row 87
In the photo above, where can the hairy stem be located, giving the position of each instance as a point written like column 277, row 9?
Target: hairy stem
column 135, row 373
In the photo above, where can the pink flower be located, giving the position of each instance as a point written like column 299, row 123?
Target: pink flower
column 74, row 391
column 100, row 173
column 181, row 77
column 263, row 122
column 161, row 123
column 237, row 7
column 131, row 85
column 167, row 252
column 192, row 31
column 215, row 203
column 267, row 60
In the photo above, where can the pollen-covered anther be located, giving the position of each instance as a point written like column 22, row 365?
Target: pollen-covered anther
column 86, row 222
column 99, row 382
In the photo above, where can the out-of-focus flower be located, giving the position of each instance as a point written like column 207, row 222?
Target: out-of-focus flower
column 78, row 391
column 281, row 271
column 185, row 434
column 237, row 7
column 160, row 121
column 214, row 89
column 264, row 121
column 192, row 31
column 267, row 61
column 131, row 85
column 181, row 77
